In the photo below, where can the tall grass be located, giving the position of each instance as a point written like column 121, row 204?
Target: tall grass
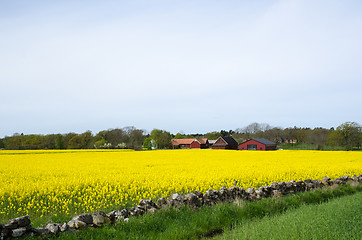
column 336, row 219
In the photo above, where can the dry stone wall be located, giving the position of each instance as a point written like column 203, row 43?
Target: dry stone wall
column 21, row 226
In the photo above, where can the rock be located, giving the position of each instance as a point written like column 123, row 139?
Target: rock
column 18, row 222
column 282, row 187
column 176, row 200
column 2, row 228
column 211, row 197
column 41, row 231
column 250, row 190
column 85, row 217
column 326, row 181
column 317, row 184
column 63, row 227
column 19, row 232
column 238, row 193
column 100, row 218
column 264, row 192
column 76, row 224
column 117, row 215
column 355, row 178
column 177, row 197
column 274, row 185
column 276, row 194
column 148, row 205
column 136, row 211
column 252, row 195
column 162, row 202
column 337, row 182
column 5, row 233
column 300, row 186
column 53, row 228
column 199, row 194
column 192, row 200
column 225, row 194
column 346, row 178
column 12, row 225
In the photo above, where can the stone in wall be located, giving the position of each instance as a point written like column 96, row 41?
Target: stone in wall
column 100, row 218
column 211, row 197
column 176, row 200
column 148, row 205
column 192, row 200
column 162, row 203
column 53, row 228
column 117, row 215
column 76, row 224
column 18, row 222
column 136, row 211
column 81, row 221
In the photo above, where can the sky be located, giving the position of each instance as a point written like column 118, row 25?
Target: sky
column 182, row 66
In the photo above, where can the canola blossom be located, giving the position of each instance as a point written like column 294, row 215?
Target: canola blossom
column 44, row 182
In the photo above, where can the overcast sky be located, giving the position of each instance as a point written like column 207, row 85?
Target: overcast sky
column 190, row 66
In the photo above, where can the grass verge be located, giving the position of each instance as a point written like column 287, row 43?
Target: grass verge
column 185, row 223
column 337, row 219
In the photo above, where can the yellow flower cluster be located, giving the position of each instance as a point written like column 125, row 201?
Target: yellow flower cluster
column 76, row 181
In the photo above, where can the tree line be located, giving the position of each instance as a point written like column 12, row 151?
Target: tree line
column 347, row 136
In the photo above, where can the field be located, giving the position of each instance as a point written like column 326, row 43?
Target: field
column 52, row 184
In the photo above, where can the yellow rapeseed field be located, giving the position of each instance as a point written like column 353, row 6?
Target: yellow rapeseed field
column 75, row 181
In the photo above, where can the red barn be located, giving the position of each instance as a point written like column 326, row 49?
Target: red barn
column 260, row 144
column 181, row 143
column 201, row 143
column 190, row 143
column 225, row 143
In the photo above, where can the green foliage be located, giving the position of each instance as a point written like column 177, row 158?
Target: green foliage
column 148, row 143
column 178, row 136
column 2, row 143
column 59, row 142
column 162, row 138
column 348, row 135
column 102, row 143
column 213, row 135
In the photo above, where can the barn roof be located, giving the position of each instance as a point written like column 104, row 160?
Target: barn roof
column 264, row 141
column 177, row 142
column 228, row 140
column 202, row 140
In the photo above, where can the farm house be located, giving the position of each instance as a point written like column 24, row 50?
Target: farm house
column 260, row 144
column 189, row 143
column 225, row 143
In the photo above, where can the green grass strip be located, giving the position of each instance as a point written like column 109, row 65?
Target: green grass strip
column 337, row 219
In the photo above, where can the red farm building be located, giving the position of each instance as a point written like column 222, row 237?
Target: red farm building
column 260, row 144
column 225, row 143
column 201, row 143
column 189, row 143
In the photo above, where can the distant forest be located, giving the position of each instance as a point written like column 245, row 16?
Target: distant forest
column 347, row 136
